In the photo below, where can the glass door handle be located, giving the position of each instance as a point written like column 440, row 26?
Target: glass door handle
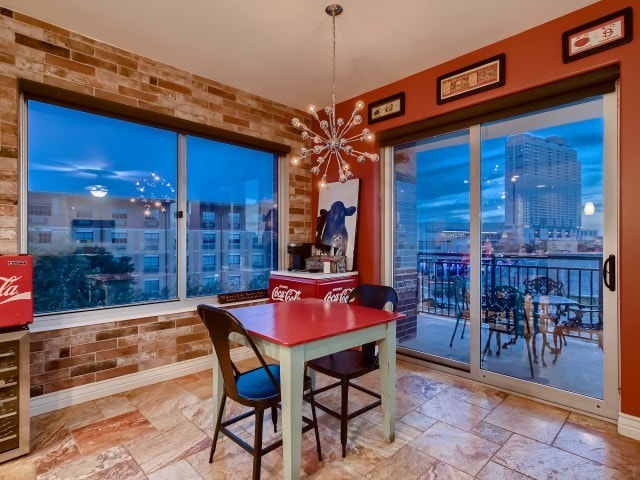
column 609, row 273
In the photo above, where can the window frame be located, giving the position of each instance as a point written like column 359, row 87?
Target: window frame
column 30, row 90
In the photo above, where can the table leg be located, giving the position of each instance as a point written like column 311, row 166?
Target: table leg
column 387, row 358
column 291, row 381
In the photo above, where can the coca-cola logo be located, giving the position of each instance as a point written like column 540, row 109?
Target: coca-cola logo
column 10, row 290
column 285, row 294
column 338, row 296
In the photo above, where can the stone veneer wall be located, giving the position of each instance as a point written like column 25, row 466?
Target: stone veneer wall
column 37, row 51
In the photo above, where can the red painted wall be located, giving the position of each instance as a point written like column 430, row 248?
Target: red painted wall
column 533, row 58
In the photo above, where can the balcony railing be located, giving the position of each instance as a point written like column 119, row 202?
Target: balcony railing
column 580, row 275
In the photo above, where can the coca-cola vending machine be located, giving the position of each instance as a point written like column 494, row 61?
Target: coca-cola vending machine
column 285, row 286
column 16, row 313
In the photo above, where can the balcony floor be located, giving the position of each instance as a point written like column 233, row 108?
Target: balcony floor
column 577, row 368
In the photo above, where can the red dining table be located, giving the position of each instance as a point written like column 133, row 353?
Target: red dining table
column 294, row 332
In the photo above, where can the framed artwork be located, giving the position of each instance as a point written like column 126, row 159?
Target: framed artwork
column 337, row 223
column 475, row 78
column 386, row 108
column 598, row 35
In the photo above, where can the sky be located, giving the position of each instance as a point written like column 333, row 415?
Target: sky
column 119, row 155
column 443, row 170
column 70, row 150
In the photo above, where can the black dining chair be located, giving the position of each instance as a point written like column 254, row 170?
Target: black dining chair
column 257, row 388
column 348, row 365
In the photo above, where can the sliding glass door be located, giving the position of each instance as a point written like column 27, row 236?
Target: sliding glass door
column 432, row 206
column 509, row 228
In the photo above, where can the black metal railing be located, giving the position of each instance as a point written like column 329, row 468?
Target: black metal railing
column 580, row 275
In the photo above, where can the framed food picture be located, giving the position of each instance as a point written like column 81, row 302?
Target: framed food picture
column 600, row 34
column 480, row 76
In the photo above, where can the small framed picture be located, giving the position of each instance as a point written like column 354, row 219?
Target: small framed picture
column 386, row 108
column 473, row 79
column 601, row 34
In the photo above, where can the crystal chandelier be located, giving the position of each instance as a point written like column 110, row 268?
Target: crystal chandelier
column 334, row 141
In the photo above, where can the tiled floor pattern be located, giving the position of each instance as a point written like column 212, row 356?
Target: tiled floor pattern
column 447, row 428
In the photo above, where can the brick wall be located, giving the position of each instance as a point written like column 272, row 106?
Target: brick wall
column 37, row 51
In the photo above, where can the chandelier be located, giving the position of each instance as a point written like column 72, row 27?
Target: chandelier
column 154, row 191
column 333, row 139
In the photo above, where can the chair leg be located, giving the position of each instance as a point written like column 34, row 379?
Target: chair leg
column 464, row 325
column 257, row 444
column 274, row 418
column 314, row 417
column 344, row 414
column 454, row 332
column 217, row 430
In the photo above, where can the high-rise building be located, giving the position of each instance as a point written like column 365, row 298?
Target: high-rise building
column 543, row 188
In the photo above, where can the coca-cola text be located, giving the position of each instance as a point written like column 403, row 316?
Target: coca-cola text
column 285, row 294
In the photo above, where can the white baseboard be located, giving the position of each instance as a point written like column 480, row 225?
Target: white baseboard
column 629, row 426
column 84, row 393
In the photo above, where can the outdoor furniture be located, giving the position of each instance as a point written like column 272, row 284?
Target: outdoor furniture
column 257, row 388
column 504, row 313
column 461, row 303
column 350, row 364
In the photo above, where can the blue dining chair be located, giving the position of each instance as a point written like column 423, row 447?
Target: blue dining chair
column 257, row 388
column 348, row 365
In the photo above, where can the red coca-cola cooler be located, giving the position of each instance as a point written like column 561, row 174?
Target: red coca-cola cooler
column 16, row 291
column 16, row 312
column 285, row 286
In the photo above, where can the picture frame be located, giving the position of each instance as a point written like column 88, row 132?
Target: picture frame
column 599, row 35
column 386, row 108
column 337, row 221
column 475, row 78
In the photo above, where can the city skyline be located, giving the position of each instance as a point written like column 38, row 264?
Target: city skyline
column 443, row 174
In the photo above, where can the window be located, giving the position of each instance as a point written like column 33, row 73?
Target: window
column 84, row 237
column 151, row 264
column 151, row 241
column 83, row 211
column 234, row 241
column 257, row 260
column 234, row 220
column 208, row 263
column 119, row 238
column 151, row 217
column 120, row 216
column 208, row 219
column 43, row 237
column 208, row 241
column 40, row 210
column 108, row 196
column 152, row 288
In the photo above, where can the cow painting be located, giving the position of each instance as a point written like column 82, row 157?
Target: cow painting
column 334, row 231
column 336, row 228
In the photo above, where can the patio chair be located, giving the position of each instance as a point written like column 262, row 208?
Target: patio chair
column 505, row 314
column 543, row 285
column 348, row 365
column 257, row 388
column 461, row 303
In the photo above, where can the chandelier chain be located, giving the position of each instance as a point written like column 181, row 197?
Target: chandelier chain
column 332, row 142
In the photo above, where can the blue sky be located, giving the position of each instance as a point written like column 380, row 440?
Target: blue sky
column 443, row 187
column 70, row 150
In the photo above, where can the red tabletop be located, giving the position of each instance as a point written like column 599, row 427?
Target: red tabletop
column 308, row 320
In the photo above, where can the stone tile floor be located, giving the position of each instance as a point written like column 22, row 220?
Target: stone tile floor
column 447, row 428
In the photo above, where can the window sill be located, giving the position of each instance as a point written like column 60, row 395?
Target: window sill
column 43, row 323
